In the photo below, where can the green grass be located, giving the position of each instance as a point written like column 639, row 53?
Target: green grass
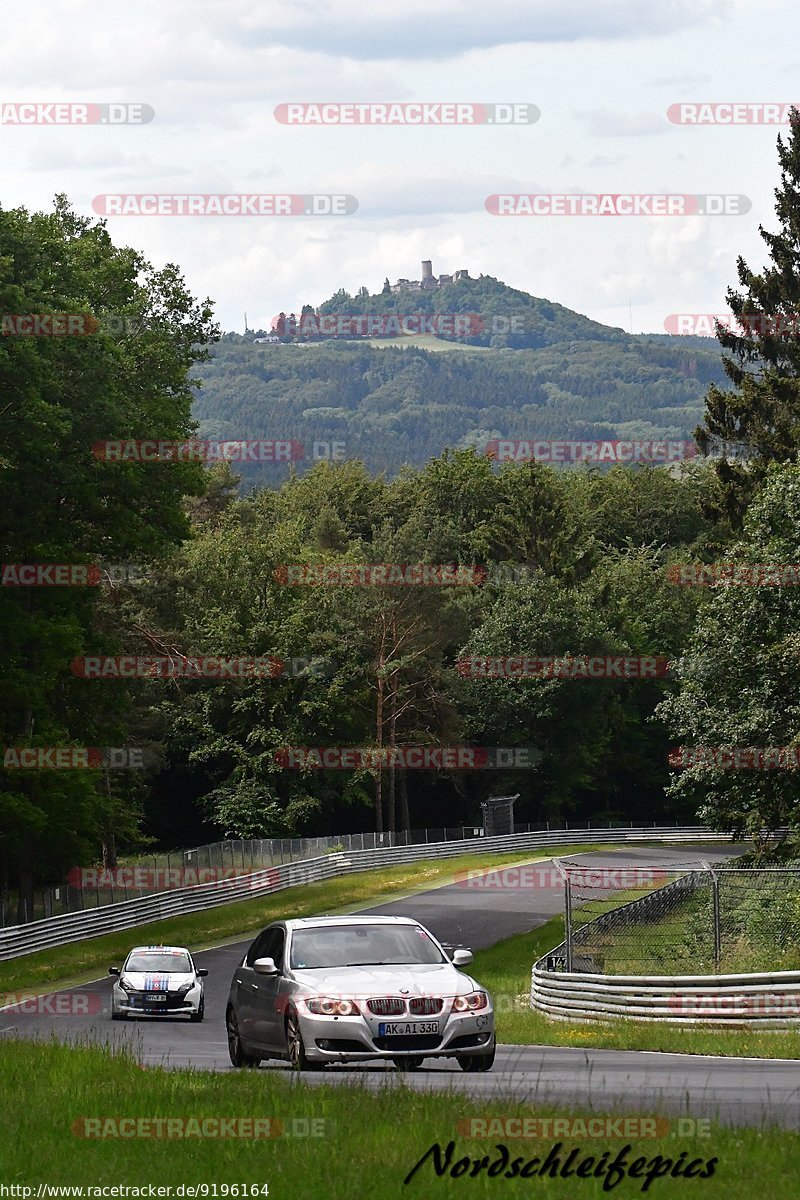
column 505, row 969
column 759, row 933
column 371, row 1140
column 680, row 942
column 85, row 960
column 422, row 341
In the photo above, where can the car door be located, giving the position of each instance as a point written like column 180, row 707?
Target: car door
column 270, row 992
column 247, row 988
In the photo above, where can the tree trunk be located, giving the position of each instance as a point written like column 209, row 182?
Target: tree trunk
column 109, row 839
column 379, row 740
column 109, row 851
column 402, row 785
column 25, row 901
column 390, row 815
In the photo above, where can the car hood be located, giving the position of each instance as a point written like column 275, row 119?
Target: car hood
column 419, row 979
column 144, row 982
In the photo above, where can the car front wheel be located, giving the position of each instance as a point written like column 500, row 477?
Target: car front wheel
column 296, row 1046
column 198, row 1016
column 235, row 1050
column 477, row 1062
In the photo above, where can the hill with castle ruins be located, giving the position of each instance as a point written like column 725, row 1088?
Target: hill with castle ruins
column 448, row 361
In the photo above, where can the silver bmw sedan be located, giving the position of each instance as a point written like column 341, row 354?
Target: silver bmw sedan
column 347, row 989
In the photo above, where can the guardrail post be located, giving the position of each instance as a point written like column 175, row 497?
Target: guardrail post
column 568, row 922
column 717, row 928
column 715, row 915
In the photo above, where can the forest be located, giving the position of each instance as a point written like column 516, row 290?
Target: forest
column 354, row 598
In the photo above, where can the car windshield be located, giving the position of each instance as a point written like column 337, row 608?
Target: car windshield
column 159, row 962
column 362, row 945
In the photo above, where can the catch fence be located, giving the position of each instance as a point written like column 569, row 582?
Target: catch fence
column 93, row 887
column 691, row 918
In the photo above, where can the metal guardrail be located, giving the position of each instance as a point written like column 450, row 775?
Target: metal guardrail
column 767, row 1000
column 18, row 940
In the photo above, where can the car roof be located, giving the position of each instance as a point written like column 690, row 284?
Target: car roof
column 160, row 949
column 345, row 919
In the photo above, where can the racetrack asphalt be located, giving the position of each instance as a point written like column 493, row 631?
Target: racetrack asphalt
column 734, row 1091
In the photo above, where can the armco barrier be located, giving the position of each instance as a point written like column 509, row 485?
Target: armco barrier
column 768, row 1000
column 17, row 940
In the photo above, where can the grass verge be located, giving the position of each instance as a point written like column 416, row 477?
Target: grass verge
column 505, row 969
column 81, row 961
column 371, row 1140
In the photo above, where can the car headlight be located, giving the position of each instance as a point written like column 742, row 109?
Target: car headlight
column 325, row 1006
column 126, row 987
column 471, row 1003
column 185, row 988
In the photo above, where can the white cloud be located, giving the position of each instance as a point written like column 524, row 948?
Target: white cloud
column 441, row 29
column 687, row 79
column 602, row 122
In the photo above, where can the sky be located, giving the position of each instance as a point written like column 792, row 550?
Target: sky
column 602, row 74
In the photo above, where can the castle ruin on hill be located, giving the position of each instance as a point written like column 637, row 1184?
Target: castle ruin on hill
column 428, row 283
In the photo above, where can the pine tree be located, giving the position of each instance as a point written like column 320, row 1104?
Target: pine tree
column 761, row 417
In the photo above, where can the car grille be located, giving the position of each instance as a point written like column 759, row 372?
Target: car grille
column 387, row 1006
column 425, row 1006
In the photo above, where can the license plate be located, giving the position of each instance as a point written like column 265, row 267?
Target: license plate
column 155, row 998
column 406, row 1028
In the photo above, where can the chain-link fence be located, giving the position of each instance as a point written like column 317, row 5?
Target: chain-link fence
column 93, row 887
column 682, row 920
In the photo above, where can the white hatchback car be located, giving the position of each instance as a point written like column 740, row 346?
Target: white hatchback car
column 351, row 989
column 158, row 981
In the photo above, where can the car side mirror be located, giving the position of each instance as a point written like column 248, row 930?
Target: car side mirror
column 113, row 970
column 265, row 966
column 203, row 971
column 462, row 958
